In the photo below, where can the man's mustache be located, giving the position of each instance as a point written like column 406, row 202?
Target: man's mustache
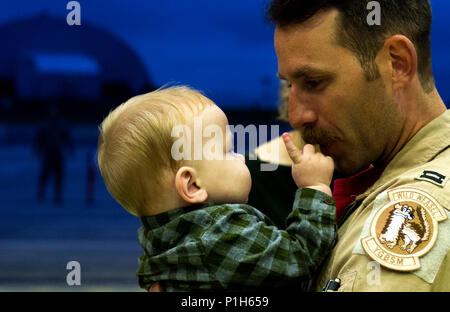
column 314, row 135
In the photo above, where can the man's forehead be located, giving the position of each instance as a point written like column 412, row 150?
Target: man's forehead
column 304, row 64
column 305, row 51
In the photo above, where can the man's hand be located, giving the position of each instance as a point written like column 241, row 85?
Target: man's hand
column 310, row 168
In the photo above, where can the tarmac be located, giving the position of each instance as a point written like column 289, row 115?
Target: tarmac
column 38, row 240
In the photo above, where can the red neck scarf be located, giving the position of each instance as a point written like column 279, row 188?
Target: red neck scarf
column 346, row 189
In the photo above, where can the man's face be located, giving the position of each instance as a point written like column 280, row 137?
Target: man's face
column 330, row 100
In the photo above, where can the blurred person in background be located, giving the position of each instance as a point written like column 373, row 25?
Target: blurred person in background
column 50, row 144
column 91, row 177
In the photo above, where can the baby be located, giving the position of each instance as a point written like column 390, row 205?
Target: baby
column 197, row 232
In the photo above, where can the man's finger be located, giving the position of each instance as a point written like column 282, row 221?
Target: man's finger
column 294, row 153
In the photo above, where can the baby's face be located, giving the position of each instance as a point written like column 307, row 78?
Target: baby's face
column 222, row 172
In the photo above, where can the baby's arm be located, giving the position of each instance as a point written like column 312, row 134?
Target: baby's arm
column 244, row 249
column 310, row 169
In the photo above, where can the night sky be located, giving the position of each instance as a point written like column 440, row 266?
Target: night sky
column 223, row 47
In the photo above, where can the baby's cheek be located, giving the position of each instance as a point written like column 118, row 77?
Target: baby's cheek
column 248, row 179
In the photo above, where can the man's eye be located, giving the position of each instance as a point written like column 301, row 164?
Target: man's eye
column 312, row 84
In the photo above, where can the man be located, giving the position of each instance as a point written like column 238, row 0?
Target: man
column 366, row 94
column 51, row 143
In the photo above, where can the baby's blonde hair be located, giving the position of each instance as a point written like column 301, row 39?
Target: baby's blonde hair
column 134, row 145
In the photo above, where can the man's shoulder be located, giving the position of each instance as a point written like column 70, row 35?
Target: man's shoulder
column 433, row 177
column 409, row 221
column 402, row 228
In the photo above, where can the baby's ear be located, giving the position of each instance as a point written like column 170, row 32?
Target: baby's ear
column 188, row 187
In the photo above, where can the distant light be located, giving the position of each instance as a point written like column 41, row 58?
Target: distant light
column 69, row 63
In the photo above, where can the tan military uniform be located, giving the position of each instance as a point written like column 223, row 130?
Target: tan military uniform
column 397, row 235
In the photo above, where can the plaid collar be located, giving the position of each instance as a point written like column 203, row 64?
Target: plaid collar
column 161, row 219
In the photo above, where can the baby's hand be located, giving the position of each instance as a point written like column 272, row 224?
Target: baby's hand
column 310, row 168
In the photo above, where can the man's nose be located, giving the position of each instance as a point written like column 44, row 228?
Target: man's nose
column 300, row 114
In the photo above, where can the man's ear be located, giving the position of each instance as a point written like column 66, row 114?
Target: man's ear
column 188, row 186
column 403, row 57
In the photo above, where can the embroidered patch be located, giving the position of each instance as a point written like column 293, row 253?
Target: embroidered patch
column 404, row 229
column 433, row 177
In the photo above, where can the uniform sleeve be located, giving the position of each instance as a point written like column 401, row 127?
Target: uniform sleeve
column 241, row 249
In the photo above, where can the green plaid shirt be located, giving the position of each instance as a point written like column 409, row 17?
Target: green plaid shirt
column 235, row 246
